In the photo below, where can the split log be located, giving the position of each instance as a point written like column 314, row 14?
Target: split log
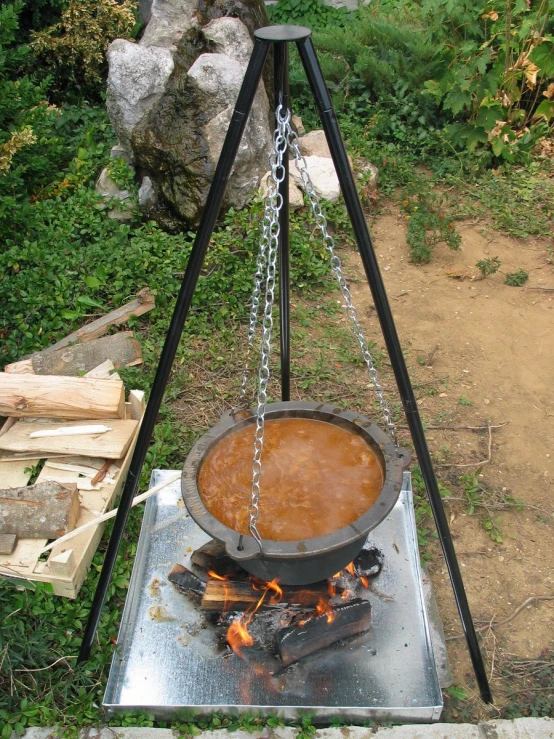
column 349, row 619
column 238, row 595
column 213, row 556
column 144, row 302
column 111, row 445
column 122, row 349
column 50, row 396
column 185, row 580
column 42, row 511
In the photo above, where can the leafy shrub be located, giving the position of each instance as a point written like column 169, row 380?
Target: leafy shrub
column 516, row 279
column 73, row 49
column 428, row 224
column 488, row 266
column 497, row 74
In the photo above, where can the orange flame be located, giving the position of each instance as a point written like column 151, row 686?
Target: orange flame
column 365, row 581
column 347, row 595
column 277, row 591
column 215, row 576
column 323, row 607
column 350, row 568
column 238, row 635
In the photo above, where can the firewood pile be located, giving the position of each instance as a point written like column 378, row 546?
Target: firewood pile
column 66, row 442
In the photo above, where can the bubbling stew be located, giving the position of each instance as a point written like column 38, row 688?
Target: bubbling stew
column 316, row 478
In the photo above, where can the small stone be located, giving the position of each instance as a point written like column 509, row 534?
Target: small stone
column 106, row 187
column 323, row 176
column 146, row 194
column 120, row 152
column 315, row 144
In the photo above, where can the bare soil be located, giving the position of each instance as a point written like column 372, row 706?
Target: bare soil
column 494, row 364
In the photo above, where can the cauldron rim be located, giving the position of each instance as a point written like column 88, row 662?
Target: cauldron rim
column 394, row 461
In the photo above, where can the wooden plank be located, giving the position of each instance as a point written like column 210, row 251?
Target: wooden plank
column 143, row 303
column 62, row 564
column 46, row 510
column 104, row 371
column 122, row 349
column 110, row 445
column 25, row 560
column 13, row 474
column 49, row 396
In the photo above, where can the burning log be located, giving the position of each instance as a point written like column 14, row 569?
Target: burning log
column 347, row 619
column 185, row 580
column 212, row 556
column 236, row 595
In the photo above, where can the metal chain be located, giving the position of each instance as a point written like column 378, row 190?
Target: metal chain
column 336, row 267
column 261, row 263
column 270, row 233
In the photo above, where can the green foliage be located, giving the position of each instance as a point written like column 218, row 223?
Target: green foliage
column 530, row 686
column 488, row 266
column 39, row 631
column 516, row 279
column 73, row 49
column 311, row 13
column 497, row 65
column 428, row 225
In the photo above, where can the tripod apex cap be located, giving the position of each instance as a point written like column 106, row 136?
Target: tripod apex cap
column 282, row 33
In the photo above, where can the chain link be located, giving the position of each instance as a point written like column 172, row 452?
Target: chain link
column 261, row 264
column 270, row 237
column 336, row 267
column 283, row 138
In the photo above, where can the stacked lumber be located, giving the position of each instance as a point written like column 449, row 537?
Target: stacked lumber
column 68, row 420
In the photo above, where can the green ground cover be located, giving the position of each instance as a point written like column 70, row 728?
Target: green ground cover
column 421, row 98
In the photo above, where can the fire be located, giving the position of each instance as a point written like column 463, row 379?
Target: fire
column 238, row 635
column 365, row 581
column 350, row 568
column 323, row 607
column 215, row 576
column 277, row 591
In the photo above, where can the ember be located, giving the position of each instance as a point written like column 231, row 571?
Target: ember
column 294, row 621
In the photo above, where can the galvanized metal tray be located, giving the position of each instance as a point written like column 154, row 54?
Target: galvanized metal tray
column 168, row 663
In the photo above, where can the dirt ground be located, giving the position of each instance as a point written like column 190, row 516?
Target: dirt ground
column 494, row 364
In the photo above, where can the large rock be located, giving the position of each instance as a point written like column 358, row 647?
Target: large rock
column 171, row 97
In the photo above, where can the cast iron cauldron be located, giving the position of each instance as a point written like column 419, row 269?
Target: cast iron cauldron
column 310, row 560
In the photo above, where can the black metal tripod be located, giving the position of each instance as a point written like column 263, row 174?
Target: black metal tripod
column 279, row 37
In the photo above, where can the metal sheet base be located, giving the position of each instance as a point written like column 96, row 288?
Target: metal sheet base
column 170, row 664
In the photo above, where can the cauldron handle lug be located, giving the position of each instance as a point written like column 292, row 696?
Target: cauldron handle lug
column 243, row 548
column 405, row 455
column 239, row 414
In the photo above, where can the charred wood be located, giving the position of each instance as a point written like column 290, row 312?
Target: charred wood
column 185, row 580
column 348, row 619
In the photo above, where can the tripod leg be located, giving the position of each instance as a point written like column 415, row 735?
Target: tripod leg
column 207, row 223
column 371, row 267
column 281, row 88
